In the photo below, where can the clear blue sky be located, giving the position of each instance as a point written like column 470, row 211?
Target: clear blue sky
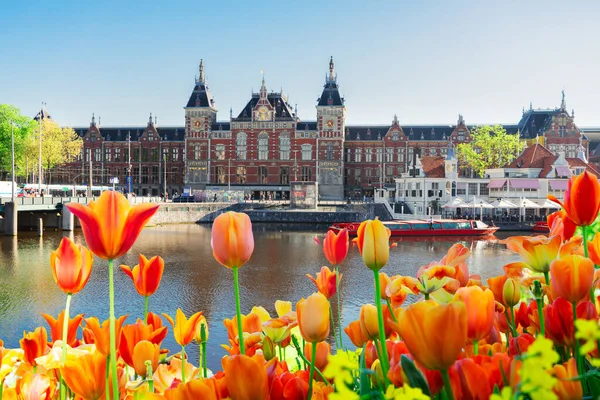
column 422, row 60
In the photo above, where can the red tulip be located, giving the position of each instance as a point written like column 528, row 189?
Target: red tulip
column 71, row 266
column 325, row 282
column 146, row 275
column 336, row 247
column 582, row 199
column 559, row 320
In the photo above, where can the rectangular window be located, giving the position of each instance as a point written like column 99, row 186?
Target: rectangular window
column 400, row 154
column 145, row 175
column 144, row 154
column 368, row 155
column 284, row 175
column 263, row 175
column 357, row 173
column 107, row 154
column 220, row 152
column 197, row 154
column 174, row 178
column 379, row 155
column 358, row 154
column 240, row 175
column 98, row 155
column 348, row 155
column 154, row 177
column 165, row 154
column 389, row 155
column 284, row 146
column 135, row 177
column 221, row 175
column 306, row 174
column 175, row 153
column 154, row 154
column 117, row 154
column 483, row 189
column 472, row 189
column 306, row 152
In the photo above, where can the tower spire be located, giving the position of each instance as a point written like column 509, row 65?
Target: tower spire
column 201, row 76
column 563, row 103
column 331, row 77
column 263, row 86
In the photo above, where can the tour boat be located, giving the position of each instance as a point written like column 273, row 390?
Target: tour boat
column 438, row 227
column 541, row 227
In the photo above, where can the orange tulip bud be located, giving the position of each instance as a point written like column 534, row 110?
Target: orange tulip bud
column 369, row 321
column 511, row 292
column 325, row 282
column 568, row 386
column 250, row 382
column 313, row 317
column 111, row 225
column 232, row 240
column 323, row 350
column 356, row 334
column 581, row 199
column 184, row 329
column 571, row 277
column 85, row 375
column 373, row 240
column 145, row 351
column 496, row 285
column 423, row 327
column 480, row 310
column 71, row 266
column 146, row 275
column 336, row 247
column 34, row 345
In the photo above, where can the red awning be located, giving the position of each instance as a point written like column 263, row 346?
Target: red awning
column 496, row 184
column 563, row 171
column 559, row 185
column 525, row 183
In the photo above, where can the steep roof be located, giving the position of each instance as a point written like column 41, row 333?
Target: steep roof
column 278, row 101
column 331, row 91
column 116, row 134
column 201, row 96
column 433, row 167
column 532, row 157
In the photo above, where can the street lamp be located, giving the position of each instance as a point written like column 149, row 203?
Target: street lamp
column 12, row 164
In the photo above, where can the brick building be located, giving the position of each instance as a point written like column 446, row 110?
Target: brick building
column 267, row 146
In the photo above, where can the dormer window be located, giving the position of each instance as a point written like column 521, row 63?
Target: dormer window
column 461, row 135
column 395, row 136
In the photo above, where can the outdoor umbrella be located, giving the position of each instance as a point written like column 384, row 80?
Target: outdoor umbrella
column 456, row 202
column 478, row 202
column 526, row 203
column 550, row 204
column 502, row 203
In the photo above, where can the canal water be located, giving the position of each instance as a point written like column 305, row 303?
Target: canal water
column 194, row 281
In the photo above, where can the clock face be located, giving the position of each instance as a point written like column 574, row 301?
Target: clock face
column 196, row 124
column 263, row 113
column 329, row 123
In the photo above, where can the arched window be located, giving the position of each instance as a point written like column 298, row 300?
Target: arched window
column 241, row 143
column 284, row 146
column 263, row 146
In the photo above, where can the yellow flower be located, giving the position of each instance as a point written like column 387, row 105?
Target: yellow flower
column 589, row 331
column 505, row 394
column 535, row 379
column 262, row 313
column 405, row 393
column 341, row 368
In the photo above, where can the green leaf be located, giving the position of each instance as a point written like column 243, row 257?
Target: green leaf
column 365, row 382
column 414, row 375
column 594, row 383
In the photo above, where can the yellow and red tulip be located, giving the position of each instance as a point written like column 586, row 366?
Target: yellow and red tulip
column 561, row 225
column 571, row 277
column 537, row 252
column 56, row 327
column 146, row 275
column 71, row 266
column 480, row 310
column 133, row 334
column 36, row 387
column 99, row 334
column 111, row 225
column 373, row 241
column 335, row 246
column 184, row 329
column 325, row 282
column 145, row 351
column 34, row 344
column 313, row 317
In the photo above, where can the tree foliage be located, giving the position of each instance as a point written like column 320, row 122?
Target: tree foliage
column 490, row 147
column 23, row 129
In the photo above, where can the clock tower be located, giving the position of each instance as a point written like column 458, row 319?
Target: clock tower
column 200, row 115
column 331, row 119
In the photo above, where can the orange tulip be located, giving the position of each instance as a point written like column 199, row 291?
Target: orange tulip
column 560, row 224
column 232, row 240
column 480, row 310
column 325, row 281
column 511, row 292
column 559, row 320
column 36, row 387
column 197, row 389
column 384, row 281
column 537, row 252
column 423, row 327
column 369, row 323
column 288, row 386
column 251, row 323
column 567, row 387
column 250, row 381
column 336, row 247
column 184, row 329
column 594, row 249
column 582, row 199
column 168, row 375
column 135, row 333
column 571, row 277
column 470, row 381
column 323, row 350
column 399, row 289
column 154, row 320
column 111, row 225
column 145, row 351
column 100, row 333
column 56, row 327
column 356, row 334
column 373, row 240
column 313, row 317
column 34, row 345
column 146, row 275
column 71, row 266
column 85, row 375
column 198, row 335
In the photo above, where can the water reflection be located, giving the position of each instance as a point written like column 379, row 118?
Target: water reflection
column 194, row 281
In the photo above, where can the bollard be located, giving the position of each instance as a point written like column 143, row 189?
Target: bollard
column 68, row 220
column 10, row 219
column 40, row 226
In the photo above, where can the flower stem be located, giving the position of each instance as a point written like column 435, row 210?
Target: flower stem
column 149, row 375
column 447, row 386
column 146, row 308
column 312, row 369
column 540, row 307
column 331, row 319
column 585, row 240
column 112, row 323
column 65, row 336
column 426, row 296
column 238, row 312
column 391, row 310
column 182, row 364
column 204, row 367
column 382, row 338
column 514, row 322
column 578, row 358
column 475, row 347
column 339, row 303
column 107, row 377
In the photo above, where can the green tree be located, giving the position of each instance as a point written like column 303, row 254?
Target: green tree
column 59, row 146
column 23, row 128
column 490, row 147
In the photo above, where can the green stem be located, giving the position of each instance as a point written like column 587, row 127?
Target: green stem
column 510, row 323
column 514, row 322
column 238, row 311
column 339, row 304
column 578, row 358
column 447, row 386
column 107, row 377
column 331, row 320
column 204, row 367
column 426, row 296
column 65, row 336
column 182, row 364
column 146, row 308
column 112, row 323
column 312, row 369
column 149, row 376
column 476, row 347
column 507, row 339
column 1, row 388
column 540, row 307
column 585, row 240
column 384, row 360
column 391, row 310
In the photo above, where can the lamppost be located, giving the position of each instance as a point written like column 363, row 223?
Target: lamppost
column 165, row 177
column 12, row 163
column 40, row 152
column 128, row 162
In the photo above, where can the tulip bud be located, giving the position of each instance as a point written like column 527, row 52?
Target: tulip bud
column 377, row 378
column 511, row 293
column 373, row 240
column 313, row 317
column 268, row 348
column 369, row 322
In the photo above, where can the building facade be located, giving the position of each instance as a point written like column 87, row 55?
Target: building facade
column 267, row 146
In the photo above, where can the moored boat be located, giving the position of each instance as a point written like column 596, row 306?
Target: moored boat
column 437, row 227
column 541, row 227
